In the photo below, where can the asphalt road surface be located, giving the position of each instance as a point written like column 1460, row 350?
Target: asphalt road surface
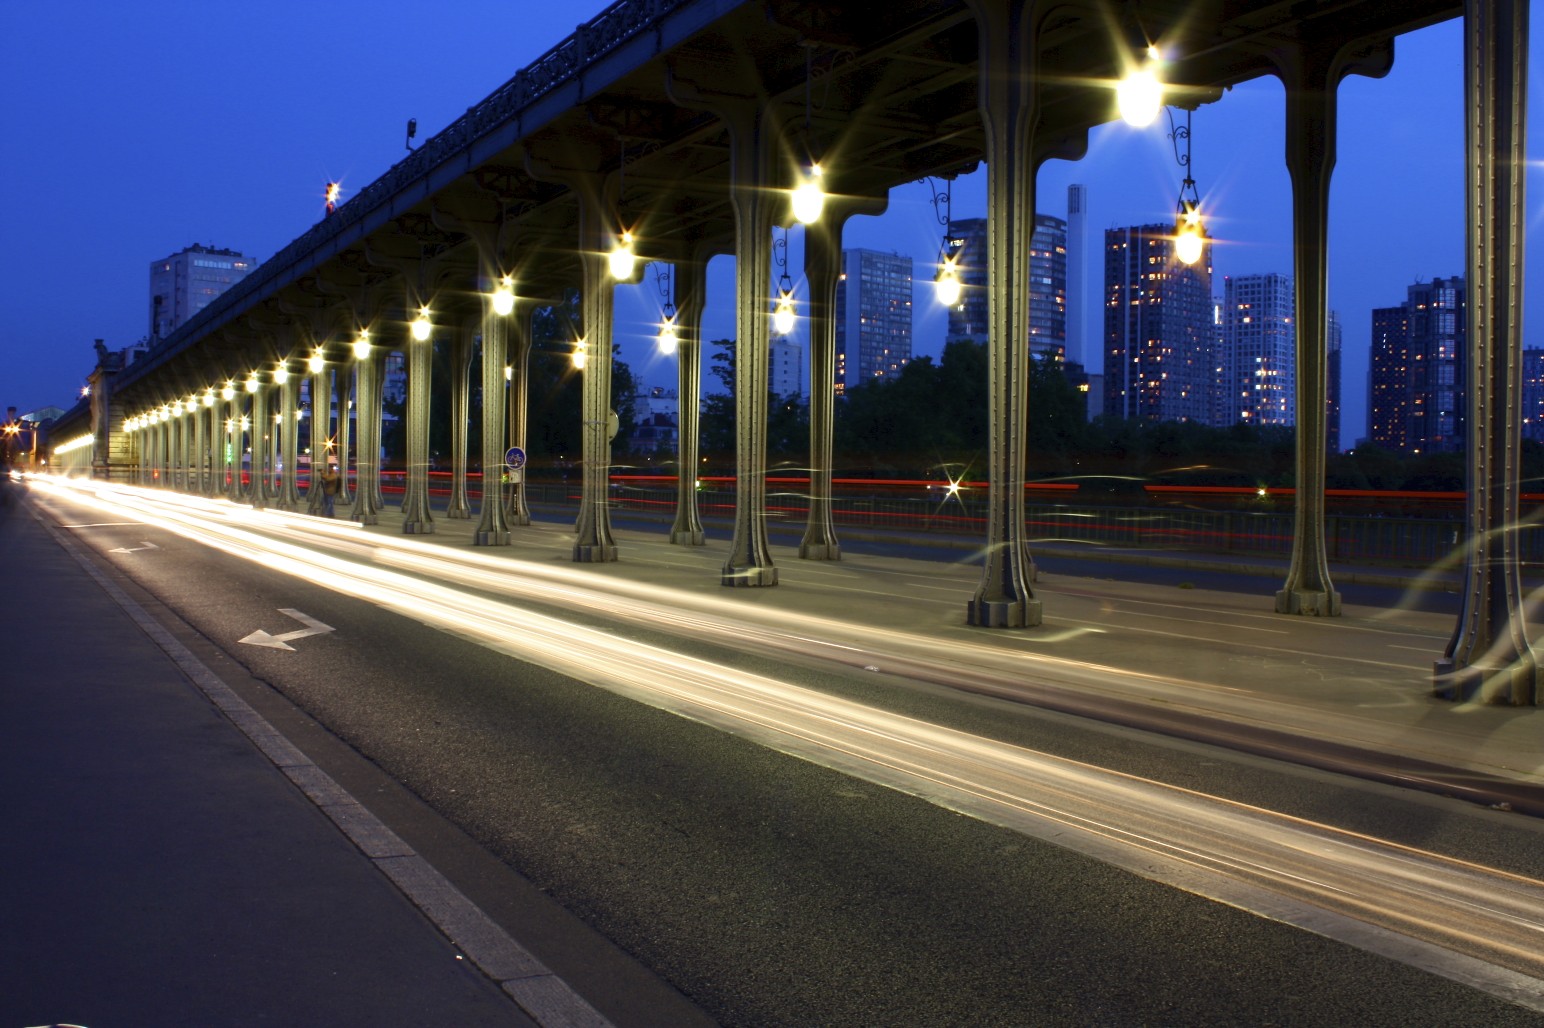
column 772, row 890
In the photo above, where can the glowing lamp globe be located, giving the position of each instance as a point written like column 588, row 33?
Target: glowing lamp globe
column 1138, row 97
column 947, row 286
column 668, row 341
column 809, row 198
column 783, row 318
column 504, row 297
column 622, row 259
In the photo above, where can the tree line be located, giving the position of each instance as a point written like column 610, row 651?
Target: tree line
column 930, row 421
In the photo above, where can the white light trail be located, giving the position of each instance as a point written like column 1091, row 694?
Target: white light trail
column 1472, row 923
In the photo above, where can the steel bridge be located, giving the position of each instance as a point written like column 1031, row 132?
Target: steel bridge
column 684, row 125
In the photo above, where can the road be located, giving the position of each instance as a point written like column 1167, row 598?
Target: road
column 798, row 819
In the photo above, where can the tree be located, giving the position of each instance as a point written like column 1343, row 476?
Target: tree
column 787, row 416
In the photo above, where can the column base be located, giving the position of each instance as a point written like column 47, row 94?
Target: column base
column 1515, row 685
column 594, row 553
column 417, row 528
column 490, row 539
column 1003, row 613
column 748, row 577
column 459, row 513
column 820, row 551
column 365, row 519
column 520, row 519
column 1308, row 602
column 688, row 537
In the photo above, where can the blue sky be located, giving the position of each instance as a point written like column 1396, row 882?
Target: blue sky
column 134, row 130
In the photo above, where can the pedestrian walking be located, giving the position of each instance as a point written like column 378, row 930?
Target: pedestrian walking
column 330, row 481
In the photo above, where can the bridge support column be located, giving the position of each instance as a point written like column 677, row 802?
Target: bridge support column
column 691, row 277
column 754, row 137
column 492, row 529
column 378, row 427
column 343, row 387
column 1312, row 78
column 593, row 543
column 460, row 402
column 1009, row 101
column 289, row 438
column 320, row 387
column 200, row 418
column 368, row 447
column 157, row 453
column 233, row 451
column 183, row 457
column 262, row 444
column 1489, row 657
column 417, row 518
column 823, row 272
column 216, row 446
column 517, row 512
column 751, row 137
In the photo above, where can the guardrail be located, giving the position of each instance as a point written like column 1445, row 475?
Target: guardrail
column 1349, row 537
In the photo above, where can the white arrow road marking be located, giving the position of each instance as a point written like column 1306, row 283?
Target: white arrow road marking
column 281, row 642
column 144, row 545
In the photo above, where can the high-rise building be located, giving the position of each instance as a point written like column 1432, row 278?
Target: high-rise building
column 967, row 242
column 1159, row 363
column 787, row 370
column 1257, row 385
column 1332, row 383
column 1047, row 284
column 1533, row 394
column 873, row 317
column 185, row 283
column 1415, row 379
column 1048, row 288
column 1388, row 378
column 1077, row 273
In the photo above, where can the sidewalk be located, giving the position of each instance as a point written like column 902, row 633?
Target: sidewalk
column 156, row 868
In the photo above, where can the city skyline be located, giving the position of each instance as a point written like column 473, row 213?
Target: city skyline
column 244, row 168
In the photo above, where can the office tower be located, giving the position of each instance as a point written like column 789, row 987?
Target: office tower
column 1158, row 328
column 1332, row 384
column 967, row 243
column 185, row 283
column 1533, row 395
column 1388, row 375
column 873, row 317
column 1077, row 273
column 1415, row 381
column 1048, row 288
column 1258, row 371
column 787, row 372
column 1047, row 284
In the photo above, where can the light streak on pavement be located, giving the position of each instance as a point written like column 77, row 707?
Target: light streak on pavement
column 1468, row 922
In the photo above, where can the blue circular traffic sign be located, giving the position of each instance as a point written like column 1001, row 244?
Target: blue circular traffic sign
column 515, row 457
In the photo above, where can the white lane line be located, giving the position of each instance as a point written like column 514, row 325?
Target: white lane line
column 539, row 993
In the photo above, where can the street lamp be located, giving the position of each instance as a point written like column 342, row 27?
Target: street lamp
column 783, row 314
column 622, row 259
column 422, row 326
column 1189, row 230
column 1139, row 95
column 504, row 297
column 946, row 283
column 809, row 196
column 667, row 340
